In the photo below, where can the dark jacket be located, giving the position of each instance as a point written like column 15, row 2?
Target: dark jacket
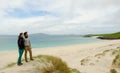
column 21, row 43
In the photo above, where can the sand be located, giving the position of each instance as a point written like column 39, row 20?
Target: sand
column 84, row 57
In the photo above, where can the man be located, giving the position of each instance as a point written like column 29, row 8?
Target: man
column 27, row 47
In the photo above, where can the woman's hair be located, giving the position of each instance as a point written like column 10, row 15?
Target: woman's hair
column 20, row 35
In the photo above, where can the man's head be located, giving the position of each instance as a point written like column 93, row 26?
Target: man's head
column 26, row 34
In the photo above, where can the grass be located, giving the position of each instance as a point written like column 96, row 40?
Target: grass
column 106, row 51
column 113, row 71
column 84, row 61
column 115, row 52
column 116, row 60
column 106, row 36
column 99, row 55
column 54, row 65
column 10, row 65
column 74, row 71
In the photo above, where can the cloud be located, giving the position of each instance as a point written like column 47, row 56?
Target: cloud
column 56, row 16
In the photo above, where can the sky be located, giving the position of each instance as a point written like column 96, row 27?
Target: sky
column 59, row 16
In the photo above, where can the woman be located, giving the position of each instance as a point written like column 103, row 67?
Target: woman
column 21, row 47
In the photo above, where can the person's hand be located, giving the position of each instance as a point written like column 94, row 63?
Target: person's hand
column 30, row 47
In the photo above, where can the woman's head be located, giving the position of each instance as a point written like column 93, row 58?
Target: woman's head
column 21, row 35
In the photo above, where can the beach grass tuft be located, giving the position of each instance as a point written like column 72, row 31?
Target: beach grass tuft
column 116, row 60
column 113, row 71
column 99, row 55
column 75, row 71
column 52, row 65
column 10, row 65
column 114, row 52
column 84, row 61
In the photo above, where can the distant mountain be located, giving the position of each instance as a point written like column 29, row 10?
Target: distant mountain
column 42, row 34
column 39, row 34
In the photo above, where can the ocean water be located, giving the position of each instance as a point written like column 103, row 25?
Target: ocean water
column 8, row 43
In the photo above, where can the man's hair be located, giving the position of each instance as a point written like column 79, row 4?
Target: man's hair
column 26, row 36
column 25, row 33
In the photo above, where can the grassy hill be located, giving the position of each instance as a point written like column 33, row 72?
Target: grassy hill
column 106, row 36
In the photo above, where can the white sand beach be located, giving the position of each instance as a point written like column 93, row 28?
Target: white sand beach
column 84, row 57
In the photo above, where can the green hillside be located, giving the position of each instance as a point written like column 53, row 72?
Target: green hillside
column 106, row 36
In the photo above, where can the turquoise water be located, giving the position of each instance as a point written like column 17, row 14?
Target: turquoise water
column 38, row 41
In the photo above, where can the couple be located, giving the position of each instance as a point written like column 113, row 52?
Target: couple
column 24, row 44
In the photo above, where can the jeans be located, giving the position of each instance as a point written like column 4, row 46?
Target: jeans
column 20, row 55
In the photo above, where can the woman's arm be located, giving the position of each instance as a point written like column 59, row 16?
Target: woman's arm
column 19, row 43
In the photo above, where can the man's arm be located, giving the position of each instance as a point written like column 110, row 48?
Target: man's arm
column 29, row 43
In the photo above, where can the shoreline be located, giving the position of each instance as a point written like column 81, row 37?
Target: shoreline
column 71, row 54
column 54, row 46
column 39, row 44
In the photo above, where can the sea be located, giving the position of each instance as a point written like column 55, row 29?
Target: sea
column 9, row 42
